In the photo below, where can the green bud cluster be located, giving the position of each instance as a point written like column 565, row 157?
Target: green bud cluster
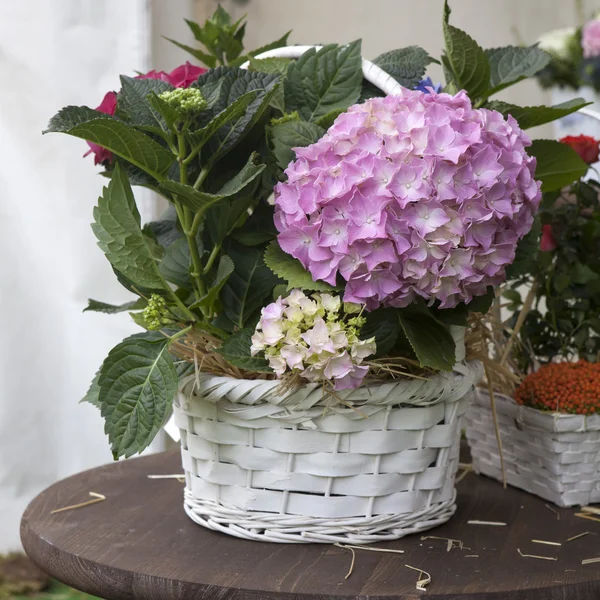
column 293, row 116
column 156, row 314
column 185, row 101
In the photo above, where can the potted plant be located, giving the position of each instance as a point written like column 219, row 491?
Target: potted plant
column 573, row 71
column 304, row 299
column 549, row 431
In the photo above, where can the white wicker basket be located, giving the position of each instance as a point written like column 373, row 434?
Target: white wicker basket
column 555, row 456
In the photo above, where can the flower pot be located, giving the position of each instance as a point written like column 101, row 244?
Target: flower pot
column 368, row 465
column 553, row 455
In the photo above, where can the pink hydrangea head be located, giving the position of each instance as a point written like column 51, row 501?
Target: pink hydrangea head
column 180, row 77
column 410, row 196
column 590, row 39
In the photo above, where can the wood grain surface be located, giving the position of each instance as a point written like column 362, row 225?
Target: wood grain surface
column 139, row 544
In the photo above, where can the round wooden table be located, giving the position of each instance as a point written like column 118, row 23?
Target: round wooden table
column 139, row 544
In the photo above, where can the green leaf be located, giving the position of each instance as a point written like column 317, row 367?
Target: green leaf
column 259, row 228
column 234, row 83
column 234, row 111
column 292, row 134
column 138, row 382
column 135, row 106
column 384, row 326
column 482, row 304
column 250, row 284
column 201, row 201
column 203, row 57
column 511, row 64
column 279, row 43
column 117, row 228
column 326, row 121
column 558, row 165
column 274, row 64
column 320, row 82
column 526, row 253
column 431, row 341
column 96, row 306
column 175, row 264
column 466, row 59
column 224, row 270
column 92, row 396
column 236, row 350
column 114, row 135
column 532, row 116
column 291, row 270
column 406, row 65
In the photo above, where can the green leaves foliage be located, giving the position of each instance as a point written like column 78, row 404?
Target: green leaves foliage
column 175, row 263
column 274, row 64
column 384, row 326
column 224, row 270
column 558, row 165
column 291, row 270
column 406, row 65
column 135, row 107
column 92, row 396
column 115, row 135
column 248, row 286
column 292, row 134
column 511, row 64
column 526, row 253
column 110, row 309
column 201, row 201
column 532, row 116
column 430, row 340
column 117, row 228
column 323, row 81
column 466, row 60
column 236, row 349
column 137, row 382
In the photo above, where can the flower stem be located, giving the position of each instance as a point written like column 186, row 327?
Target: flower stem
column 212, row 258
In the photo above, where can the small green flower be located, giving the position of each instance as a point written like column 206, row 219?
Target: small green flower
column 187, row 102
column 293, row 116
column 156, row 314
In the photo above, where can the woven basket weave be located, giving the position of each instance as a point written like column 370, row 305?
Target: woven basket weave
column 555, row 456
column 298, row 466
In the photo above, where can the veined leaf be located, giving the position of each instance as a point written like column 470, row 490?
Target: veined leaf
column 558, row 165
column 117, row 228
column 133, row 102
column 274, row 64
column 138, row 382
column 92, row 396
column 201, row 201
column 224, row 270
column 320, row 82
column 175, row 264
column 466, row 58
column 406, row 65
column 432, row 342
column 292, row 134
column 203, row 57
column 384, row 326
column 511, row 64
column 526, row 253
column 115, row 135
column 291, row 270
column 248, row 286
column 236, row 349
column 532, row 116
column 96, row 306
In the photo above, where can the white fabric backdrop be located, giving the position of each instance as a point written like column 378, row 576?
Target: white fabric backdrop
column 53, row 53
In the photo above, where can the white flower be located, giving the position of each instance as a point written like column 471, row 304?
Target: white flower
column 293, row 355
column 330, row 303
column 272, row 332
column 559, row 42
column 258, row 343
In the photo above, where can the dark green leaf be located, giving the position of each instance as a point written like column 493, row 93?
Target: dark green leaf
column 236, row 349
column 117, row 228
column 526, row 253
column 432, row 342
column 92, row 396
column 532, row 116
column 558, row 165
column 320, row 82
column 453, row 316
column 115, row 135
column 291, row 270
column 259, row 228
column 203, row 57
column 384, row 326
column 466, row 59
column 224, row 270
column 134, row 104
column 270, row 65
column 138, row 382
column 175, row 264
column 292, row 134
column 406, row 65
column 511, row 64
column 96, row 306
column 248, row 286
column 481, row 304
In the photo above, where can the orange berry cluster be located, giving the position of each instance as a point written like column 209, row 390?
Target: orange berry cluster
column 567, row 387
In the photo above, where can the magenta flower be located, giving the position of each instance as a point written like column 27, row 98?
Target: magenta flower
column 590, row 39
column 410, row 196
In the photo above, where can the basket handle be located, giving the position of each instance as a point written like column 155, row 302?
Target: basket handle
column 589, row 113
column 371, row 72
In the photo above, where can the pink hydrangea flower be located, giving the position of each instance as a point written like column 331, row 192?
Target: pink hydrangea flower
column 410, row 196
column 108, row 107
column 590, row 39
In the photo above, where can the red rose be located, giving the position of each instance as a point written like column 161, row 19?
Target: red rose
column 585, row 145
column 547, row 243
column 108, row 107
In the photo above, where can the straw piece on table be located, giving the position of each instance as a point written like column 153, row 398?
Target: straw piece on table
column 589, row 561
column 576, row 537
column 423, row 581
column 97, row 498
column 536, row 556
column 492, row 523
column 546, row 542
